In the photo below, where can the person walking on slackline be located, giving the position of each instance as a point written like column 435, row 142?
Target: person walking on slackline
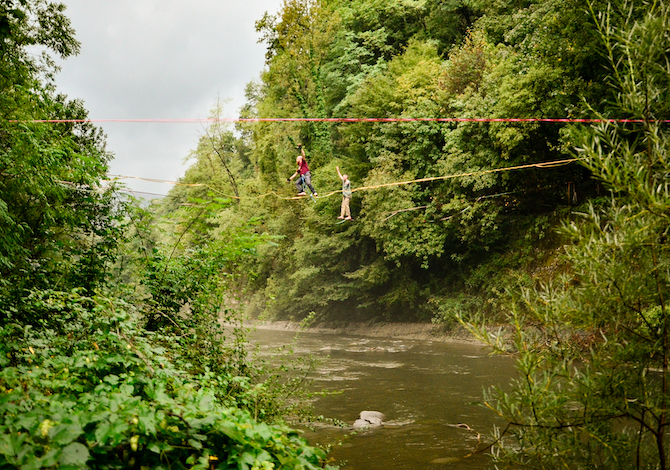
column 345, row 212
column 304, row 173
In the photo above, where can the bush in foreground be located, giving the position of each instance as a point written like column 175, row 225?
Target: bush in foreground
column 93, row 390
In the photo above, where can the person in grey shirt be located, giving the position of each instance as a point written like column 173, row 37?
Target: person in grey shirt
column 345, row 212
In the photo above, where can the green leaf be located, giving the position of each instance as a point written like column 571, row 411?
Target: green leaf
column 50, row 458
column 112, row 379
column 66, row 433
column 102, row 431
column 147, row 424
column 75, row 454
column 195, row 444
column 5, row 445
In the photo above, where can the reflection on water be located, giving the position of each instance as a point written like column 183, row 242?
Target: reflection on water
column 426, row 390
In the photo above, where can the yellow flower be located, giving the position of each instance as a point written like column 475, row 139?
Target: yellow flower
column 45, row 426
column 134, row 441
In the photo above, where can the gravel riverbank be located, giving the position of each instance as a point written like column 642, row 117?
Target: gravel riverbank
column 419, row 331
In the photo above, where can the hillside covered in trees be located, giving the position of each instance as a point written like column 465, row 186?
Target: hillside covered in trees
column 119, row 346
column 417, row 251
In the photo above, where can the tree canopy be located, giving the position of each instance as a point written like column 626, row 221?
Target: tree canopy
column 429, row 248
column 593, row 344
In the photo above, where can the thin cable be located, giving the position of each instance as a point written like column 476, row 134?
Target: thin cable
column 203, row 185
column 542, row 165
column 473, row 173
column 132, row 191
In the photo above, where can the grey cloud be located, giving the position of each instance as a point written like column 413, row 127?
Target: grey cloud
column 160, row 59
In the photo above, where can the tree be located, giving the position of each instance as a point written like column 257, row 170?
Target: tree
column 594, row 348
column 58, row 223
column 297, row 47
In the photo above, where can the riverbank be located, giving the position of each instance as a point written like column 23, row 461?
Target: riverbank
column 417, row 331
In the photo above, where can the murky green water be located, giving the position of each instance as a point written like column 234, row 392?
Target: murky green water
column 426, row 390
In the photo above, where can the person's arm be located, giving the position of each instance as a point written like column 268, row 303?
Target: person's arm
column 338, row 173
column 292, row 176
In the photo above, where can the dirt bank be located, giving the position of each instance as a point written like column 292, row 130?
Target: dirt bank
column 421, row 331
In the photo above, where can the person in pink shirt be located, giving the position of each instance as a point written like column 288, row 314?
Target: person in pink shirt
column 303, row 173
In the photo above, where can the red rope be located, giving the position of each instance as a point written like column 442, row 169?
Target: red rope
column 189, row 121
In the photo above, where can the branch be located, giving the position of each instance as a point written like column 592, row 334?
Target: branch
column 225, row 166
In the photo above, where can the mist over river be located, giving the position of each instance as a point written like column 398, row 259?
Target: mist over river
column 428, row 391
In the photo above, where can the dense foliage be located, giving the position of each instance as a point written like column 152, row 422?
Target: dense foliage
column 98, row 391
column 117, row 346
column 415, row 251
column 56, row 229
column 594, row 345
column 591, row 328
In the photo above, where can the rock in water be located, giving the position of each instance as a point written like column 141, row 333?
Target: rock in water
column 372, row 414
column 360, row 424
column 369, row 419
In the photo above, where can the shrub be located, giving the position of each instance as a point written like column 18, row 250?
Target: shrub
column 94, row 390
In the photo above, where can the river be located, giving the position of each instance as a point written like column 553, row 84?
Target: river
column 428, row 391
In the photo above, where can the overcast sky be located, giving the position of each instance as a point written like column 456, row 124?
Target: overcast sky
column 160, row 59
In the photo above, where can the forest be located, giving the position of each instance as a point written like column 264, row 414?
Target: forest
column 535, row 217
column 415, row 252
